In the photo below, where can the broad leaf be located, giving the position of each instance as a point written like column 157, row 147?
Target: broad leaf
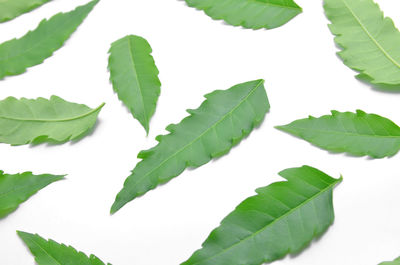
column 16, row 189
column 41, row 120
column 254, row 14
column 52, row 253
column 221, row 122
column 283, row 218
column 10, row 9
column 369, row 41
column 17, row 55
column 395, row 262
column 134, row 76
column 358, row 134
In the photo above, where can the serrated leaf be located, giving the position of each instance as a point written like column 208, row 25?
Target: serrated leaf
column 252, row 14
column 221, row 122
column 52, row 253
column 17, row 55
column 283, row 218
column 369, row 41
column 358, row 134
column 395, row 262
column 134, row 76
column 41, row 120
column 16, row 189
column 10, row 9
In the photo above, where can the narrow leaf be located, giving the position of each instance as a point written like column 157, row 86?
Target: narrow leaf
column 52, row 253
column 395, row 262
column 10, row 9
column 16, row 189
column 17, row 55
column 369, row 41
column 41, row 120
column 221, row 122
column 253, row 14
column 134, row 76
column 358, row 134
column 283, row 218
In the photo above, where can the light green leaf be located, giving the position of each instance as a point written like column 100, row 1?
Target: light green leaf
column 358, row 134
column 221, row 122
column 52, row 253
column 369, row 41
column 41, row 120
column 283, row 218
column 253, row 14
column 17, row 55
column 16, row 189
column 395, row 262
column 10, row 9
column 134, row 76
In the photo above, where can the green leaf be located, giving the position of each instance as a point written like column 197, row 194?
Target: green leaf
column 283, row 218
column 369, row 41
column 395, row 262
column 358, row 134
column 253, row 14
column 52, row 253
column 17, row 55
column 221, row 122
column 41, row 120
column 134, row 76
column 16, row 189
column 10, row 9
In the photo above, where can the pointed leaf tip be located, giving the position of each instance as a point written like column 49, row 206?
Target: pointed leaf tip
column 134, row 76
column 212, row 134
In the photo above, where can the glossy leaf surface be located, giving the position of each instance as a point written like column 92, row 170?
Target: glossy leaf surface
column 222, row 121
column 17, row 55
column 10, row 9
column 358, row 134
column 283, row 218
column 16, row 189
column 49, row 252
column 134, row 76
column 42, row 120
column 370, row 42
column 254, row 14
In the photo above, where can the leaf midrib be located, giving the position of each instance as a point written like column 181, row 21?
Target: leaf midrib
column 208, row 129
column 280, row 6
column 370, row 35
column 340, row 133
column 330, row 186
column 56, row 120
column 138, row 82
column 45, row 251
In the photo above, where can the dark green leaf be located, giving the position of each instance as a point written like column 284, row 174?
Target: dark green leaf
column 221, row 122
column 283, row 218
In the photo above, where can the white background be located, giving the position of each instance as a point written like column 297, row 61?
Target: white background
column 196, row 55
